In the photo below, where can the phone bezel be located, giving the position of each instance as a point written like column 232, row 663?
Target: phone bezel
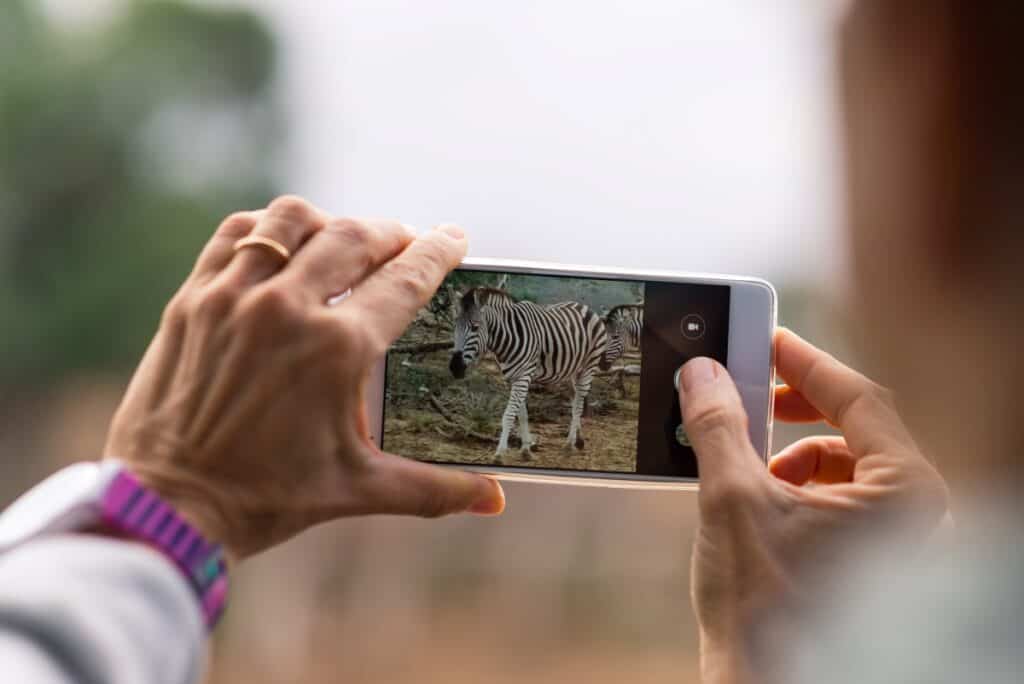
column 750, row 347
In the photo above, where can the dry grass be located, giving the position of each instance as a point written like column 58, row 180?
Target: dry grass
column 414, row 428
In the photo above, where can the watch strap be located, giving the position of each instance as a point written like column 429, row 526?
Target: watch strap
column 131, row 509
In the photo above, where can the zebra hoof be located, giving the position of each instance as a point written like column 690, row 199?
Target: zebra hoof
column 526, row 454
column 579, row 443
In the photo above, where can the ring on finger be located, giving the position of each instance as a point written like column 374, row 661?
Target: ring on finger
column 265, row 243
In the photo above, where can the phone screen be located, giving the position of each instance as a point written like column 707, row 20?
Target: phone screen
column 552, row 372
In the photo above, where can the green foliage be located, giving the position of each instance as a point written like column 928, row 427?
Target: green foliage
column 122, row 148
column 443, row 304
column 600, row 295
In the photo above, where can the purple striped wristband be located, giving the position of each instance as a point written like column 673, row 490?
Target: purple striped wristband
column 132, row 510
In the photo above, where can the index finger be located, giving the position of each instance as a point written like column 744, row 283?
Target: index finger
column 390, row 298
column 792, row 407
column 862, row 409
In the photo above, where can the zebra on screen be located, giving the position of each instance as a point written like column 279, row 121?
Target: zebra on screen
column 624, row 323
column 533, row 344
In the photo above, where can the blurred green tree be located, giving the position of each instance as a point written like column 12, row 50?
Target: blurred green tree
column 121, row 147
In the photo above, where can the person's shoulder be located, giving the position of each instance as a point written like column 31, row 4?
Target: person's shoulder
column 953, row 614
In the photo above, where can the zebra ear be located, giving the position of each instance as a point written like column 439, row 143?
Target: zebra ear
column 469, row 303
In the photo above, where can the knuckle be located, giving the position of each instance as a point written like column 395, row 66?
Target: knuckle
column 291, row 208
column 725, row 497
column 350, row 230
column 439, row 255
column 714, row 417
column 236, row 225
column 176, row 312
column 412, row 279
column 268, row 304
column 215, row 301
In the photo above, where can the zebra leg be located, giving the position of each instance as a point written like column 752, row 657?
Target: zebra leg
column 524, row 431
column 516, row 399
column 582, row 389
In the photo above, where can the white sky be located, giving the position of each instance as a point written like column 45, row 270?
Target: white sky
column 688, row 134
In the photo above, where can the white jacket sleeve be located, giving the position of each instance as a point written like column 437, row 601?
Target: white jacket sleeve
column 80, row 609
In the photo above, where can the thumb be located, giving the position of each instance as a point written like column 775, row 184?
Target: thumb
column 402, row 486
column 716, row 422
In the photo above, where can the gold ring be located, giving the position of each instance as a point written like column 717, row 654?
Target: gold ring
column 261, row 241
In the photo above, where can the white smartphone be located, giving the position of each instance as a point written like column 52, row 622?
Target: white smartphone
column 550, row 372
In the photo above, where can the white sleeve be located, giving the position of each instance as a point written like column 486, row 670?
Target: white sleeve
column 79, row 609
column 944, row 618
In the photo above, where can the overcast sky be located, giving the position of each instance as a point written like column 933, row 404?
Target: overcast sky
column 660, row 133
column 685, row 134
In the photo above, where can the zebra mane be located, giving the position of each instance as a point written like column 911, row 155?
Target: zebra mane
column 621, row 307
column 485, row 296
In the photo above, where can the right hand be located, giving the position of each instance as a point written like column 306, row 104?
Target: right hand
column 760, row 529
column 247, row 411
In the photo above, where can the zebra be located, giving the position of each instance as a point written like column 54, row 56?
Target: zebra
column 533, row 344
column 624, row 324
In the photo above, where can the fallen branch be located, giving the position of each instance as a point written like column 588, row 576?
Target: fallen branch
column 439, row 407
column 420, row 348
column 632, row 371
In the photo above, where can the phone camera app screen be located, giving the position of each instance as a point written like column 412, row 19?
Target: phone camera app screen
column 551, row 372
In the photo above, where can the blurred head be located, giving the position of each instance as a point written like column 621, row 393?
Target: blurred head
column 933, row 103
column 470, row 335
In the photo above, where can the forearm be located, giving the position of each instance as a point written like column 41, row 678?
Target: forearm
column 88, row 610
column 724, row 661
column 28, row 660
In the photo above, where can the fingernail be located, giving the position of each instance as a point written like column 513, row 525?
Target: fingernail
column 491, row 503
column 697, row 372
column 411, row 230
column 451, row 230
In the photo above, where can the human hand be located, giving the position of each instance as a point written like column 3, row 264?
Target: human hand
column 760, row 529
column 247, row 411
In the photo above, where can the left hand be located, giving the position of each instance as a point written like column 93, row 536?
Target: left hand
column 247, row 412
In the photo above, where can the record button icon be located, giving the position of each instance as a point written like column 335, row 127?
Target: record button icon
column 693, row 327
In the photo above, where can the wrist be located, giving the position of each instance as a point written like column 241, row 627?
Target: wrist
column 724, row 658
column 108, row 498
column 129, row 507
column 192, row 500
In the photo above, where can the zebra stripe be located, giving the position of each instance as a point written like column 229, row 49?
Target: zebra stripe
column 533, row 345
column 624, row 324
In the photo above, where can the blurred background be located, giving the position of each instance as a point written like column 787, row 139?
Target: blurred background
column 647, row 133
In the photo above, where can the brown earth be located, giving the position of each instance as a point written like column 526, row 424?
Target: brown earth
column 414, row 427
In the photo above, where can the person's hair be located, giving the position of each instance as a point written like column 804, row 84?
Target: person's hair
column 989, row 49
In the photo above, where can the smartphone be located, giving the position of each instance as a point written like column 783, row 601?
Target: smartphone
column 564, row 373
